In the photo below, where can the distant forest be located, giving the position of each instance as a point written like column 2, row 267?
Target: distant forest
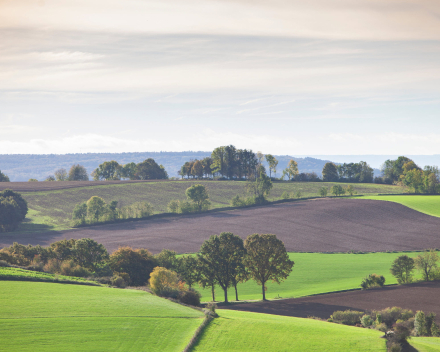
column 22, row 167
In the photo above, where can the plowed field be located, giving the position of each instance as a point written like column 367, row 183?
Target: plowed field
column 421, row 296
column 321, row 225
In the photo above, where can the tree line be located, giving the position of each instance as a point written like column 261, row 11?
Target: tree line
column 223, row 260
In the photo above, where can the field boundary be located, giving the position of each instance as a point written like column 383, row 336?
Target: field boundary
column 198, row 332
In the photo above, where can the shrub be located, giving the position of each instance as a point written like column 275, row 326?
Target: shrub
column 390, row 316
column 381, row 327
column 69, row 268
column 118, row 281
column 53, row 266
column 285, row 195
column 372, row 280
column 394, row 347
column 298, row 194
column 238, row 202
column 366, row 321
column 435, row 331
column 347, row 317
column 323, row 192
column 173, row 206
column 190, row 297
column 420, row 324
column 186, row 207
column 164, row 282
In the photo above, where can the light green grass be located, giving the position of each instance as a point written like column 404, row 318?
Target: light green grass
column 52, row 210
column 244, row 331
column 38, row 316
column 316, row 273
column 425, row 344
column 425, row 204
column 7, row 273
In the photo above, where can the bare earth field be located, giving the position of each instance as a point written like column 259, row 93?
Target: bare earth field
column 420, row 296
column 320, row 225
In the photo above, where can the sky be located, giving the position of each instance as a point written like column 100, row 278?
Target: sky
column 316, row 77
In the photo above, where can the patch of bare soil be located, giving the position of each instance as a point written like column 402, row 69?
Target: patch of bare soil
column 420, row 296
column 321, row 225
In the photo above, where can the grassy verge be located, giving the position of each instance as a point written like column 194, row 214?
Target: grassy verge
column 425, row 344
column 17, row 274
column 429, row 205
column 244, row 331
column 38, row 316
column 316, row 273
column 52, row 210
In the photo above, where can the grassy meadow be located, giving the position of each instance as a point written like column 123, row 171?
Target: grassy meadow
column 426, row 204
column 7, row 273
column 52, row 210
column 425, row 344
column 37, row 316
column 316, row 273
column 244, row 331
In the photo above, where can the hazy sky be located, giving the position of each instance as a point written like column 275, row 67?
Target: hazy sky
column 284, row 77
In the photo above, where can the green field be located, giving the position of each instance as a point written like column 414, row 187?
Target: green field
column 37, row 316
column 425, row 344
column 7, row 273
column 315, row 273
column 244, row 331
column 425, row 204
column 52, row 210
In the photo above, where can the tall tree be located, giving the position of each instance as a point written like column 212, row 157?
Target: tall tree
column 266, row 259
column 3, row 177
column 78, row 173
column 199, row 195
column 330, row 173
column 219, row 161
column 188, row 269
column 393, row 169
column 61, row 175
column 150, row 170
column 108, row 170
column 88, row 253
column 273, row 162
column 402, row 269
column 230, row 161
column 207, row 163
column 427, row 263
column 129, row 171
column 292, row 170
column 197, row 169
column 259, row 188
column 223, row 255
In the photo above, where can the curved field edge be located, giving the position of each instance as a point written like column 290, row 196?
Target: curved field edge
column 425, row 344
column 18, row 274
column 317, row 273
column 48, row 317
column 426, row 204
column 244, row 331
column 52, row 210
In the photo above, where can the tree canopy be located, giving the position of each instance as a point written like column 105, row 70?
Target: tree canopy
column 108, row 170
column 199, row 195
column 330, row 173
column 150, row 170
column 3, row 177
column 78, row 173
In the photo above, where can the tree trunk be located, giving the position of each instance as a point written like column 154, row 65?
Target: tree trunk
column 213, row 293
column 264, row 291
column 236, row 292
column 226, row 294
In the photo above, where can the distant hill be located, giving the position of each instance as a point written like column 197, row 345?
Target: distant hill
column 22, row 167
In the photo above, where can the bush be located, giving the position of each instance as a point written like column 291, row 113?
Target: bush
column 347, row 317
column 394, row 347
column 186, row 207
column 238, row 202
column 164, row 282
column 372, row 280
column 173, row 206
column 118, row 281
column 382, row 327
column 285, row 195
column 69, row 268
column 53, row 266
column 366, row 321
column 190, row 297
column 390, row 316
column 420, row 324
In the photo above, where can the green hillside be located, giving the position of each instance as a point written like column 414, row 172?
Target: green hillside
column 38, row 316
column 425, row 344
column 425, row 204
column 52, row 210
column 243, row 331
column 315, row 273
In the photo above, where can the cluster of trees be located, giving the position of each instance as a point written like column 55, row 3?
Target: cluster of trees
column 351, row 172
column 198, row 200
column 3, row 177
column 13, row 210
column 96, row 210
column 426, row 263
column 398, row 324
column 145, row 170
column 223, row 260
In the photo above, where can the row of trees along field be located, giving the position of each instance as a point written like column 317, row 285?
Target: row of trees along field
column 223, row 260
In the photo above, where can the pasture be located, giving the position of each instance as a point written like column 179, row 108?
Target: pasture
column 316, row 273
column 244, row 331
column 426, row 204
column 425, row 344
column 7, row 273
column 38, row 316
column 52, row 203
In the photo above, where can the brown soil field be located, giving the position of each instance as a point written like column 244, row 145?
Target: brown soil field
column 419, row 296
column 319, row 225
column 59, row 185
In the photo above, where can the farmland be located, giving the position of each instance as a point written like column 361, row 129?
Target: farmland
column 52, row 317
column 316, row 273
column 53, row 202
column 19, row 274
column 416, row 296
column 425, row 344
column 429, row 205
column 320, row 225
column 242, row 331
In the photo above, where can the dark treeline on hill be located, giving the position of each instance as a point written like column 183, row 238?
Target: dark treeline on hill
column 22, row 167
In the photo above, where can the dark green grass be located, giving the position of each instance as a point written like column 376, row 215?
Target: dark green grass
column 52, row 210
column 7, row 273
column 425, row 344
column 244, row 331
column 316, row 273
column 39, row 316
